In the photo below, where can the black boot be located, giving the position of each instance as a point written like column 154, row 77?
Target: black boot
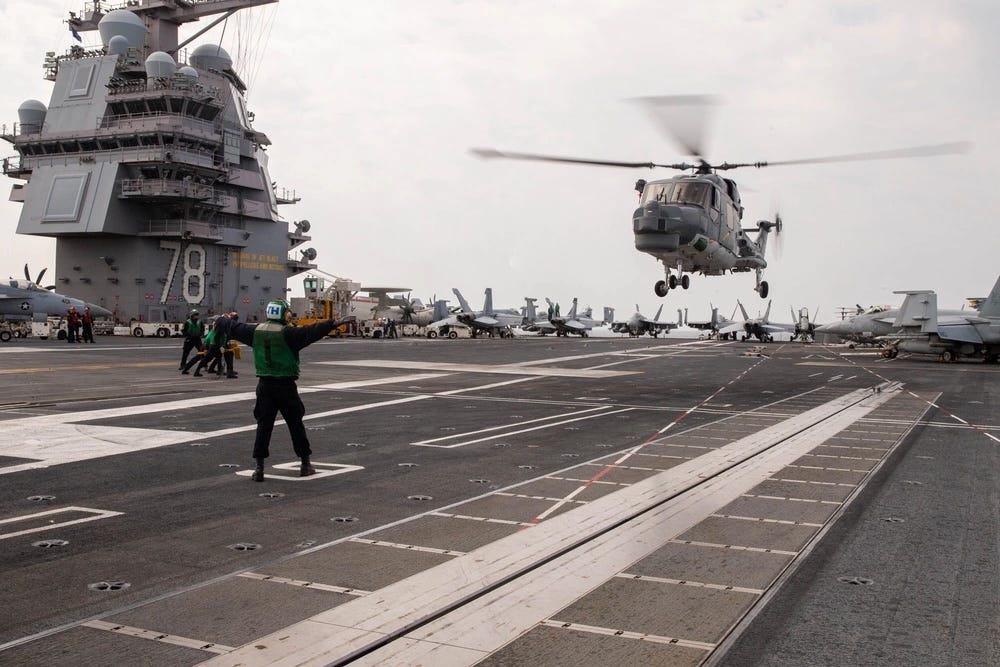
column 258, row 473
column 306, row 469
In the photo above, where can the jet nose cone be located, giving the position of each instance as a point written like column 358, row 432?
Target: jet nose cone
column 833, row 328
column 97, row 311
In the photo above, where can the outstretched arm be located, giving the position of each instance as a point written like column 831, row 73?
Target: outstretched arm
column 242, row 332
column 300, row 337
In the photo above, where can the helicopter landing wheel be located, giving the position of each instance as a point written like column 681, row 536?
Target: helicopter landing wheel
column 685, row 281
column 660, row 288
column 762, row 290
column 672, row 281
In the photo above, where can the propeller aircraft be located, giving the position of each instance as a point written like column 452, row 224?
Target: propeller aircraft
column 692, row 223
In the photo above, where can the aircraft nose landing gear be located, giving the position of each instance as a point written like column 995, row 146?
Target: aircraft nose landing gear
column 761, row 287
column 672, row 281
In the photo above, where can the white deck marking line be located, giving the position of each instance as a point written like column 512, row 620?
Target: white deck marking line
column 809, row 481
column 830, row 469
column 484, row 519
column 507, row 434
column 163, row 638
column 525, row 496
column 795, row 500
column 406, row 547
column 736, row 547
column 356, row 592
column 628, row 634
column 784, row 522
column 815, row 374
column 497, row 428
column 323, row 470
column 687, row 582
column 446, row 367
column 98, row 514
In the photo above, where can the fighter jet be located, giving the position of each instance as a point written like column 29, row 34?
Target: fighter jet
column 638, row 324
column 531, row 320
column 760, row 328
column 921, row 329
column 571, row 323
column 713, row 325
column 26, row 300
column 869, row 326
column 805, row 328
column 489, row 321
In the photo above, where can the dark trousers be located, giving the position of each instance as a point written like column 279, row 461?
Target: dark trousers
column 212, row 354
column 274, row 396
column 190, row 343
column 70, row 334
column 88, row 333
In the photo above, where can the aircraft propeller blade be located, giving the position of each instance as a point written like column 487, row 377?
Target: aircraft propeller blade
column 27, row 276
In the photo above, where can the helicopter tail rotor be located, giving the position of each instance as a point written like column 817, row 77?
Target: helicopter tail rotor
column 779, row 243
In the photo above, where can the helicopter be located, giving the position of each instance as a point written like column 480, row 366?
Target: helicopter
column 692, row 222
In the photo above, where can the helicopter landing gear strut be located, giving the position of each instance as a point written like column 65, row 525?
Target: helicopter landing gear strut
column 761, row 287
column 672, row 281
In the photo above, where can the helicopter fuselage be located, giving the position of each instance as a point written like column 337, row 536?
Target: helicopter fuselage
column 692, row 223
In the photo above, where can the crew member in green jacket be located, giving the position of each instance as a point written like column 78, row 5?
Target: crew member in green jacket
column 276, row 345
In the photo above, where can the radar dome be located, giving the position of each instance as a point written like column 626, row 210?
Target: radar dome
column 125, row 23
column 160, row 65
column 117, row 45
column 31, row 115
column 188, row 71
column 211, row 56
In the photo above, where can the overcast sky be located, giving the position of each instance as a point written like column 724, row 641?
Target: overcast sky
column 372, row 107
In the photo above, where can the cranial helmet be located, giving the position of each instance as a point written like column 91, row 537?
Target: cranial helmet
column 276, row 310
column 193, row 313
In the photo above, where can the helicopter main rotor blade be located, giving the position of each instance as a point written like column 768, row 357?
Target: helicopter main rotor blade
column 916, row 151
column 490, row 153
column 681, row 117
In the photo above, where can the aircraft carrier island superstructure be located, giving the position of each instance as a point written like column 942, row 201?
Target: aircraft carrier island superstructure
column 147, row 170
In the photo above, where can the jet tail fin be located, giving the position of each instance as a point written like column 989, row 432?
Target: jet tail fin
column 743, row 310
column 991, row 306
column 488, row 302
column 919, row 309
column 656, row 318
column 462, row 301
column 767, row 313
column 680, row 320
column 440, row 310
column 572, row 311
column 529, row 309
column 609, row 314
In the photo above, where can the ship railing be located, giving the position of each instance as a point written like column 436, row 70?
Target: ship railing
column 285, row 196
column 184, row 229
column 166, row 187
column 189, row 156
column 158, row 119
column 12, row 165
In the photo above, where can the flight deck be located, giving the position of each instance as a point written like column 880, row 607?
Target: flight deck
column 502, row 502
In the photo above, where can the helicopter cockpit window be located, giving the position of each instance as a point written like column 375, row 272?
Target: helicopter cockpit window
column 691, row 193
column 658, row 192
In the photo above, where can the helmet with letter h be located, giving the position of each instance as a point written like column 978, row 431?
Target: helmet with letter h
column 278, row 310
